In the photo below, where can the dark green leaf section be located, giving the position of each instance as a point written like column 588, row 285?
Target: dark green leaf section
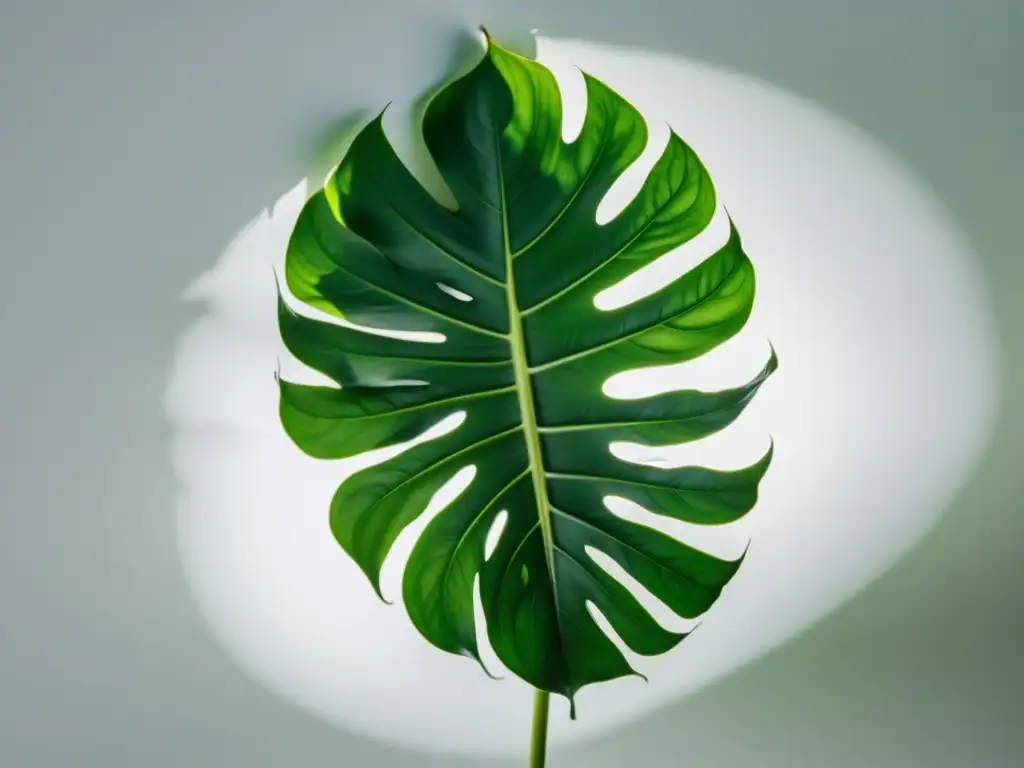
column 505, row 283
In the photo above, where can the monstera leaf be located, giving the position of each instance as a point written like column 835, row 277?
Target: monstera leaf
column 506, row 283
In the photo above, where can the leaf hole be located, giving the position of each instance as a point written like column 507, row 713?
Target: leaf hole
column 633, row 658
column 402, row 126
column 488, row 656
column 726, row 542
column 398, row 556
column 667, row 268
column 312, row 313
column 455, row 293
column 494, row 534
column 402, row 383
column 732, row 364
column 573, row 91
column 741, row 444
column 370, row 458
column 625, row 188
column 661, row 613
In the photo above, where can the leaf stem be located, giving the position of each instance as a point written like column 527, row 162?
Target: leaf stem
column 539, row 737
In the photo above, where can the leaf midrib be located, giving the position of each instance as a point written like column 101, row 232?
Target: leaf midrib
column 524, row 389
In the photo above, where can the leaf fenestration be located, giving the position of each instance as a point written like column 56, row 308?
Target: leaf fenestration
column 508, row 279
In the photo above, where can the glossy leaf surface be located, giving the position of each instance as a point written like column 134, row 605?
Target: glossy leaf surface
column 508, row 280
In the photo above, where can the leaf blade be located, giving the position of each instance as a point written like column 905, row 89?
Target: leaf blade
column 509, row 277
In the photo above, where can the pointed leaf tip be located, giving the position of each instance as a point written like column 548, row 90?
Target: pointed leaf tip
column 739, row 561
column 375, row 583
column 469, row 653
column 487, row 671
column 773, row 360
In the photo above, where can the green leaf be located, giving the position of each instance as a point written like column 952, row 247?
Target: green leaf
column 506, row 283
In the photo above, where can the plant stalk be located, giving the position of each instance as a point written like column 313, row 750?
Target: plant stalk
column 539, row 738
